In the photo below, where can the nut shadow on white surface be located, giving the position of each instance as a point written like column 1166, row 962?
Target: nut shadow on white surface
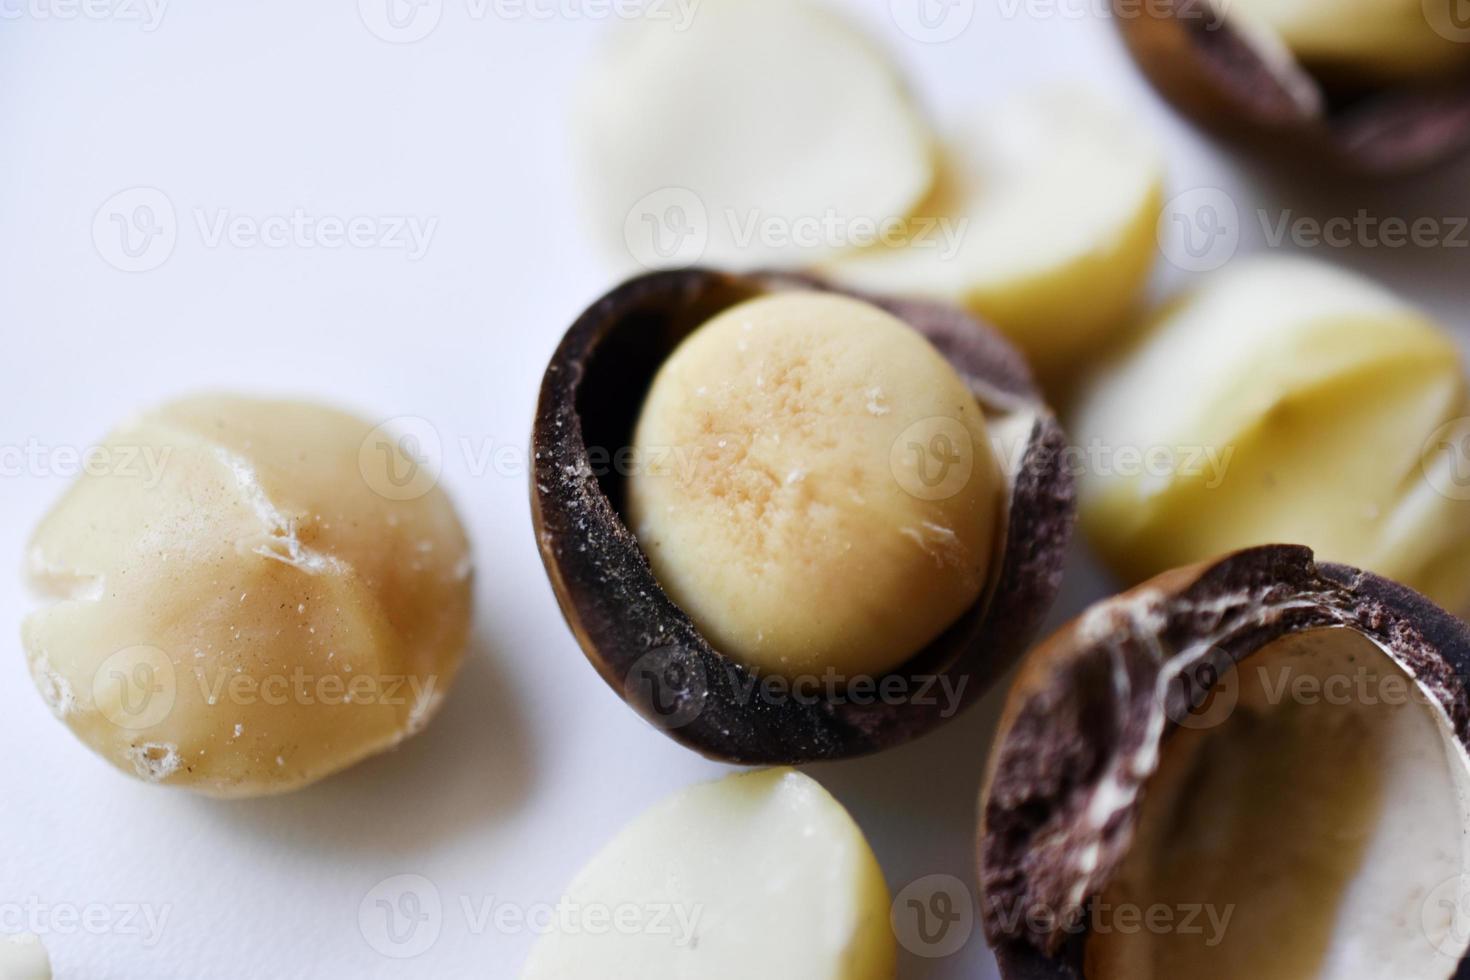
column 919, row 805
column 471, row 766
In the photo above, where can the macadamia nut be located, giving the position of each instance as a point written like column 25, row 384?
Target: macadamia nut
column 271, row 592
column 1285, row 401
column 758, row 133
column 22, row 957
column 1383, row 40
column 1042, row 223
column 759, row 874
column 821, row 492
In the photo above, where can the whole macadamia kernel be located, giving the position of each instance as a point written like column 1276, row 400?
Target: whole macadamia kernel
column 821, row 492
column 273, row 592
column 1284, row 400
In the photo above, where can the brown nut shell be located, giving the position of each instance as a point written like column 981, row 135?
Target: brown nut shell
column 647, row 648
column 1067, row 721
column 1216, row 74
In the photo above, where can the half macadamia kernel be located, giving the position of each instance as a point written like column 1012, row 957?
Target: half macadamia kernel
column 757, row 874
column 1253, row 768
column 753, row 132
column 1282, row 400
column 1042, row 223
column 854, row 510
column 1376, row 88
column 272, row 591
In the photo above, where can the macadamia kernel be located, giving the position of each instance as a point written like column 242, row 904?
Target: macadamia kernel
column 760, row 874
column 280, row 592
column 821, row 492
column 1357, row 40
column 22, row 957
column 1284, row 401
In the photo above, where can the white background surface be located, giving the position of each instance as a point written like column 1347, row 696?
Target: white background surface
column 262, row 108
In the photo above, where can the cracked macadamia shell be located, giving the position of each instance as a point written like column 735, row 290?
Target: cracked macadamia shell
column 270, row 592
column 1253, row 769
column 1373, row 88
column 649, row 648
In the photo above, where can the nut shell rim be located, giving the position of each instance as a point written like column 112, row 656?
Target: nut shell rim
column 648, row 650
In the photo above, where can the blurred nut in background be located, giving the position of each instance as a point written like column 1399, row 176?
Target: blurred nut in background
column 761, row 132
column 1037, row 216
column 1378, row 87
column 251, row 615
column 1282, row 401
column 1042, row 224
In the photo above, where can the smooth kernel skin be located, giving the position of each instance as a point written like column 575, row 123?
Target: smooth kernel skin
column 1289, row 401
column 252, row 613
column 762, row 873
column 816, row 488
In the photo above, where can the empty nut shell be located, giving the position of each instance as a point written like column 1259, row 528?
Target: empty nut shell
column 1102, row 715
column 1229, row 78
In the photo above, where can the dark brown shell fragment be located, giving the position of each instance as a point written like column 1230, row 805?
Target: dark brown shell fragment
column 1213, row 72
column 1084, row 700
column 647, row 648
